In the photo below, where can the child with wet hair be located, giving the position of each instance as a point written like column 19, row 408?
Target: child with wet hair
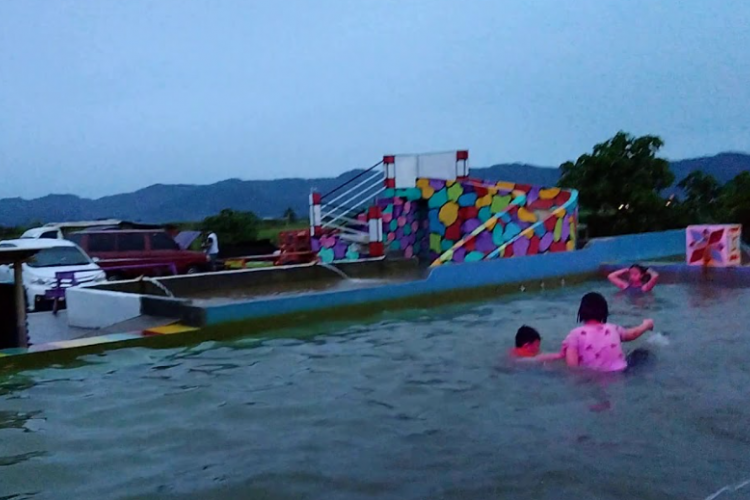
column 597, row 344
column 528, row 345
column 638, row 278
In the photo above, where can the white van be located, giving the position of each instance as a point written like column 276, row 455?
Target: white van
column 44, row 233
column 55, row 256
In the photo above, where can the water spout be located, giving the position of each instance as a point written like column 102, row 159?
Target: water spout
column 159, row 285
column 335, row 269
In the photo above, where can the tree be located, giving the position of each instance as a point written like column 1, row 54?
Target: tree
column 232, row 226
column 734, row 202
column 9, row 233
column 290, row 216
column 701, row 200
column 619, row 185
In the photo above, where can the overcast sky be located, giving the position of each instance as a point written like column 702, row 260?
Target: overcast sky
column 99, row 97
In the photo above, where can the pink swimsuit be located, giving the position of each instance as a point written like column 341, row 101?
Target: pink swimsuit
column 599, row 347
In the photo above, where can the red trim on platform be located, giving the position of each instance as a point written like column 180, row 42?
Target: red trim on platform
column 374, row 212
column 376, row 249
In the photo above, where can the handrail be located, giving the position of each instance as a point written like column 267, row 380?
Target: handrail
column 358, row 204
column 354, row 222
column 354, row 188
column 343, row 209
column 340, row 207
column 351, row 180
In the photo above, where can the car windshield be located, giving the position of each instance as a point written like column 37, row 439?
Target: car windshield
column 58, row 257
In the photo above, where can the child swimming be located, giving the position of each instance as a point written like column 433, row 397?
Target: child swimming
column 597, row 345
column 528, row 345
column 639, row 278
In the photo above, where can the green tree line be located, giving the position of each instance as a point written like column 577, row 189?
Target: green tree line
column 621, row 185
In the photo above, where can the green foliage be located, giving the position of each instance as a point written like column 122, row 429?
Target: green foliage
column 232, row 226
column 701, row 197
column 619, row 184
column 10, row 233
column 734, row 202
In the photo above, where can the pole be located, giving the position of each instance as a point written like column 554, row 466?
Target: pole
column 375, row 231
column 21, row 333
column 316, row 217
column 389, row 161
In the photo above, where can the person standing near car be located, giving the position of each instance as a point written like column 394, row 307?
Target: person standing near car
column 211, row 247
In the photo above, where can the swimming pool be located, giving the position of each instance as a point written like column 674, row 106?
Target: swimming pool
column 410, row 405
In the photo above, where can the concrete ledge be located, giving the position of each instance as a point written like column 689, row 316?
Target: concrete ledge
column 257, row 279
column 92, row 308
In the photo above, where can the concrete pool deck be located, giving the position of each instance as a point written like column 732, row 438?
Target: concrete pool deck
column 195, row 320
column 46, row 327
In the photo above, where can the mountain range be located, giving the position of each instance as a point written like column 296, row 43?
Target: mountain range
column 163, row 203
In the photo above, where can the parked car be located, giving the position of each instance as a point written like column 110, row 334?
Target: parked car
column 44, row 233
column 132, row 253
column 40, row 272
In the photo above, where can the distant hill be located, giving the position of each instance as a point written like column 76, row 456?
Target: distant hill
column 179, row 202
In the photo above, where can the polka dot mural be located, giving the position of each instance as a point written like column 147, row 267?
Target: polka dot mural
column 465, row 221
column 405, row 223
column 471, row 220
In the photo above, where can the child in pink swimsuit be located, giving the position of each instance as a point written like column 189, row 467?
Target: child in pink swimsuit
column 597, row 345
column 638, row 278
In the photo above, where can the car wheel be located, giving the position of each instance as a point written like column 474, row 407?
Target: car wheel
column 193, row 270
column 114, row 277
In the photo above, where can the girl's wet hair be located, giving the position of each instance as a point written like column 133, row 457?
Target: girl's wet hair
column 645, row 277
column 593, row 308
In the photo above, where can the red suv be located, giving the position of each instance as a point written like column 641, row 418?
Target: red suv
column 132, row 253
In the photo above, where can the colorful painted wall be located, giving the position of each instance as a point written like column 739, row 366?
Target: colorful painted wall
column 470, row 220
column 466, row 220
column 405, row 225
column 714, row 245
column 332, row 247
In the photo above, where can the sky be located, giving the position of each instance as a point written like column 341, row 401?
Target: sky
column 99, row 97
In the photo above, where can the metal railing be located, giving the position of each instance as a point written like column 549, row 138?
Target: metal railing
column 341, row 206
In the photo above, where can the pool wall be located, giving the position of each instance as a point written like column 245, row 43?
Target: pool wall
column 106, row 304
column 457, row 281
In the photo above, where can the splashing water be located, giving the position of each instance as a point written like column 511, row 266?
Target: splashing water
column 159, row 285
column 658, row 339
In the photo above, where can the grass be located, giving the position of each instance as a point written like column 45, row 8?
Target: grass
column 271, row 231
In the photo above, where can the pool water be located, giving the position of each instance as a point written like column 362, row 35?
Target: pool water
column 413, row 405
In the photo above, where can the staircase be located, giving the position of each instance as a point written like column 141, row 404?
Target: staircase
column 346, row 219
column 427, row 206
